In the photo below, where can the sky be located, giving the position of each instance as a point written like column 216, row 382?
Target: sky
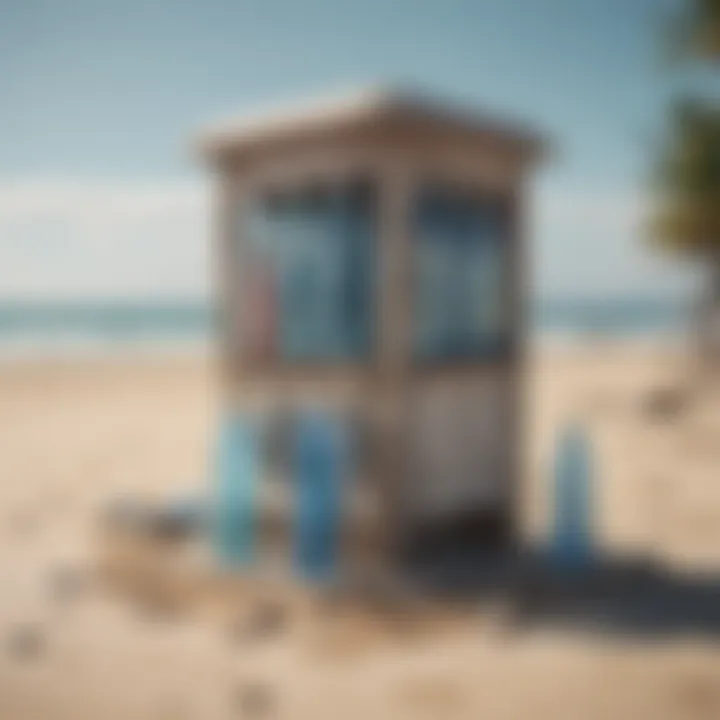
column 102, row 196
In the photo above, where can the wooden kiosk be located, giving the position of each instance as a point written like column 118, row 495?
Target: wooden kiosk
column 371, row 266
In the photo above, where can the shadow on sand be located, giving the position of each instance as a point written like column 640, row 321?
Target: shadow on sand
column 613, row 595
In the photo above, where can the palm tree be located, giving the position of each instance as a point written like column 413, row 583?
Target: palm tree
column 686, row 212
column 686, row 217
column 695, row 32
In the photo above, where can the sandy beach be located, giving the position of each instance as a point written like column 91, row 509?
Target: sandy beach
column 76, row 433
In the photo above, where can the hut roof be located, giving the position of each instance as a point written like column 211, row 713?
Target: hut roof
column 357, row 111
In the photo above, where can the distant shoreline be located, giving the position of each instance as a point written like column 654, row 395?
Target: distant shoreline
column 181, row 327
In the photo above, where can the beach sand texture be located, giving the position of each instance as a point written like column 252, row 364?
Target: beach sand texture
column 76, row 433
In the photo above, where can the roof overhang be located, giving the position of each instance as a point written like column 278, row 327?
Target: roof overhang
column 362, row 112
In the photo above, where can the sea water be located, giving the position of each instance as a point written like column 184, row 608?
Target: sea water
column 79, row 328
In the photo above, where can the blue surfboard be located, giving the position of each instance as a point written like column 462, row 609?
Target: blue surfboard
column 237, row 474
column 571, row 542
column 320, row 471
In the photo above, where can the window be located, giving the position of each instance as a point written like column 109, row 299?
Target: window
column 308, row 286
column 460, row 276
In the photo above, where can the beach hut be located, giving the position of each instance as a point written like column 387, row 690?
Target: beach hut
column 371, row 289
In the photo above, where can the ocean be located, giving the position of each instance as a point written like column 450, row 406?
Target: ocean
column 35, row 328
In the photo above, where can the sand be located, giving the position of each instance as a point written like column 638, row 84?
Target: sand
column 75, row 433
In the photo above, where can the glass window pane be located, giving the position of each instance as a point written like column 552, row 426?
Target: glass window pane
column 460, row 274
column 309, row 256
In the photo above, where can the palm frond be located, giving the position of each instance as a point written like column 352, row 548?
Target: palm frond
column 686, row 181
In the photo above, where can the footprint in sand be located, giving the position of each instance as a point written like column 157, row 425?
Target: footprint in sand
column 26, row 642
column 253, row 700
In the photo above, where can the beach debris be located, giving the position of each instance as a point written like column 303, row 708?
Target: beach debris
column 157, row 607
column 266, row 620
column 665, row 403
column 26, row 642
column 174, row 520
column 253, row 700
column 68, row 583
column 181, row 517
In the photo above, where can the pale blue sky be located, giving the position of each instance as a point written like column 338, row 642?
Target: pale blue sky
column 99, row 193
